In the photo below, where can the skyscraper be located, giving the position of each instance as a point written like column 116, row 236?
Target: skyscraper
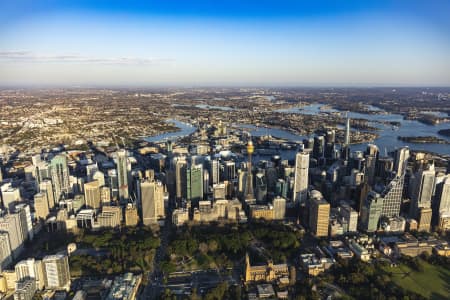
column 194, row 184
column 60, row 176
column 152, row 201
column 319, row 147
column 249, row 195
column 371, row 161
column 444, row 195
column 422, row 192
column 215, row 171
column 122, row 174
column 41, row 206
column 5, row 251
column 56, row 272
column 31, row 269
column 319, row 214
column 300, row 193
column 25, row 218
column 371, row 212
column 392, row 197
column 401, row 161
column 180, row 177
column 92, row 194
column 13, row 225
column 260, row 187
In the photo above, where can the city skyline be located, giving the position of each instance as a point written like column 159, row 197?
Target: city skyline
column 202, row 43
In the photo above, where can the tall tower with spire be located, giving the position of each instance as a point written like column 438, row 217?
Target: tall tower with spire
column 249, row 195
column 347, row 131
column 346, row 146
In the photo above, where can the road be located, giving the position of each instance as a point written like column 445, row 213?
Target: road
column 154, row 286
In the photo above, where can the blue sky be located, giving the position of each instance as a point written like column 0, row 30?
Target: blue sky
column 240, row 43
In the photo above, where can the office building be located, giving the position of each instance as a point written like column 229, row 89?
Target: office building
column 422, row 190
column 122, row 174
column 131, row 215
column 5, row 251
column 350, row 216
column 392, row 197
column 279, row 208
column 401, row 161
column 41, row 206
column 13, row 225
column 371, row 212
column 46, row 187
column 300, row 193
column 31, row 269
column 194, row 184
column 92, row 194
column 105, row 196
column 56, row 271
column 214, row 171
column 180, row 177
column 26, row 221
column 319, row 214
column 10, row 196
column 152, row 202
column 25, row 289
column 60, row 176
column 110, row 217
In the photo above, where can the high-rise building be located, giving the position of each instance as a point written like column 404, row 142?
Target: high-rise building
column 424, row 219
column 350, row 216
column 215, row 171
column 24, row 212
column 180, row 177
column 401, row 161
column 194, row 184
column 41, row 206
column 113, row 183
column 371, row 212
column 300, row 193
column 131, row 215
column 205, row 182
column 46, row 187
column 122, row 174
column 25, row 289
column 100, row 177
column 319, row 146
column 13, row 225
column 371, row 161
column 6, row 258
column 10, row 196
column 31, row 269
column 92, row 194
column 110, row 217
column 422, row 192
column 444, row 195
column 347, row 132
column 279, row 208
column 230, row 170
column 60, row 176
column 260, row 188
column 392, row 197
column 90, row 171
column 152, row 202
column 319, row 214
column 56, row 271
column 105, row 196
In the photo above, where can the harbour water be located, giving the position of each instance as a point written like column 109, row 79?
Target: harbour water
column 185, row 129
column 387, row 134
column 387, row 140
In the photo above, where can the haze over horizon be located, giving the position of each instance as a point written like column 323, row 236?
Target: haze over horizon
column 235, row 43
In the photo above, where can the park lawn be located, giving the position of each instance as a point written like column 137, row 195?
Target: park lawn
column 432, row 283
